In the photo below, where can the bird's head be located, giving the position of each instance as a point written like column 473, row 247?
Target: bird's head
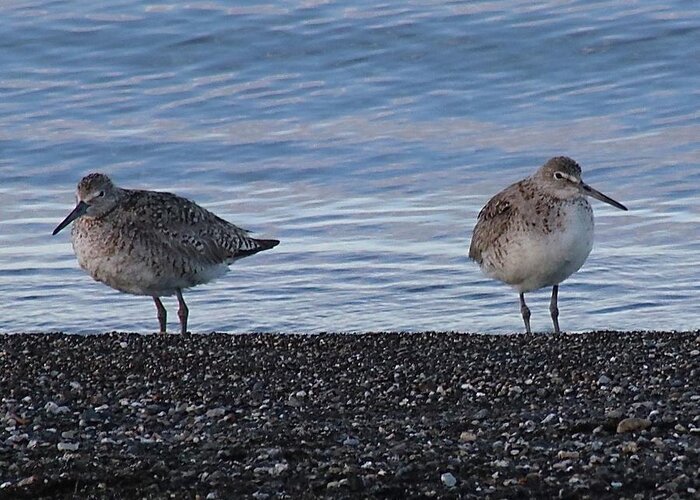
column 96, row 195
column 562, row 176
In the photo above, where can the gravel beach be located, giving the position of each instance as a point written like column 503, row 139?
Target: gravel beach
column 375, row 415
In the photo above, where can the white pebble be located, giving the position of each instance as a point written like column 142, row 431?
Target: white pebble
column 53, row 408
column 280, row 468
column 548, row 418
column 448, row 479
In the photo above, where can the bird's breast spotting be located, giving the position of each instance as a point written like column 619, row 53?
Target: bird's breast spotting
column 543, row 252
column 133, row 264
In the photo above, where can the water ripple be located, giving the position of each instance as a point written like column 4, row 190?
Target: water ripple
column 366, row 137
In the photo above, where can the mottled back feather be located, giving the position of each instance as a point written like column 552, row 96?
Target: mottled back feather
column 495, row 220
column 187, row 228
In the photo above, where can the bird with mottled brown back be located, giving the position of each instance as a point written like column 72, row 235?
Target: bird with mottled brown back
column 152, row 243
column 538, row 231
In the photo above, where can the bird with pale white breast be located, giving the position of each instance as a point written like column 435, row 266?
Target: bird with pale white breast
column 538, row 232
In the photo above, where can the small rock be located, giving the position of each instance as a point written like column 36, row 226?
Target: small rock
column 615, row 414
column 216, row 412
column 658, row 442
column 568, row 455
column 351, row 441
column 54, row 409
column 481, row 414
column 630, row 447
column 293, row 402
column 280, row 468
column 604, row 380
column 68, row 446
column 448, row 479
column 548, row 418
column 633, row 424
column 27, row 481
column 467, row 437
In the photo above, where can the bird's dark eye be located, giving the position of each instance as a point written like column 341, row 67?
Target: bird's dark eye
column 558, row 175
column 101, row 193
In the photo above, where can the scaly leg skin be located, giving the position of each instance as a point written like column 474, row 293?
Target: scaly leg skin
column 183, row 312
column 162, row 314
column 525, row 311
column 553, row 309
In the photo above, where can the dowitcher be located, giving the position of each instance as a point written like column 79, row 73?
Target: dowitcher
column 152, row 243
column 538, row 231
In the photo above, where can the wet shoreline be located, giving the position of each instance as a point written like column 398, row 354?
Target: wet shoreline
column 381, row 415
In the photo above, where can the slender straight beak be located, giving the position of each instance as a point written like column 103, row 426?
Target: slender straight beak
column 79, row 210
column 594, row 193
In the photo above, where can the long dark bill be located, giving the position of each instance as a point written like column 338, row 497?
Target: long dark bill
column 594, row 193
column 79, row 210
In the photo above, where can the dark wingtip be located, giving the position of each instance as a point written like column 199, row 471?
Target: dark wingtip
column 260, row 245
column 267, row 244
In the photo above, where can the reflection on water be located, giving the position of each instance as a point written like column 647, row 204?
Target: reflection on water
column 366, row 137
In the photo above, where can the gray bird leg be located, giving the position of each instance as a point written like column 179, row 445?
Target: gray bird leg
column 553, row 309
column 525, row 311
column 182, row 312
column 162, row 313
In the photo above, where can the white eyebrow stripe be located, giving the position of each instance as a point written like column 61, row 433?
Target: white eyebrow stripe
column 570, row 178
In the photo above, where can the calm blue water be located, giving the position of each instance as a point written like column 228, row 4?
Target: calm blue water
column 366, row 137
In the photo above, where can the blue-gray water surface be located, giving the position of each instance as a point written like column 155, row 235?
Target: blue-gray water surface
column 366, row 137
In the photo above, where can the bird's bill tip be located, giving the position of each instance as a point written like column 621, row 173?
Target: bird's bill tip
column 594, row 193
column 79, row 210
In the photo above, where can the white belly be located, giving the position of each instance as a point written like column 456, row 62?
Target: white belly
column 534, row 259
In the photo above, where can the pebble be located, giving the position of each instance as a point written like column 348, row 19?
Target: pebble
column 290, row 416
column 351, row 441
column 216, row 412
column 633, row 424
column 481, row 414
column 467, row 437
column 68, row 446
column 55, row 409
column 448, row 480
column 549, row 418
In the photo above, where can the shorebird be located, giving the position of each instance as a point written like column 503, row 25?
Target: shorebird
column 538, row 231
column 152, row 243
